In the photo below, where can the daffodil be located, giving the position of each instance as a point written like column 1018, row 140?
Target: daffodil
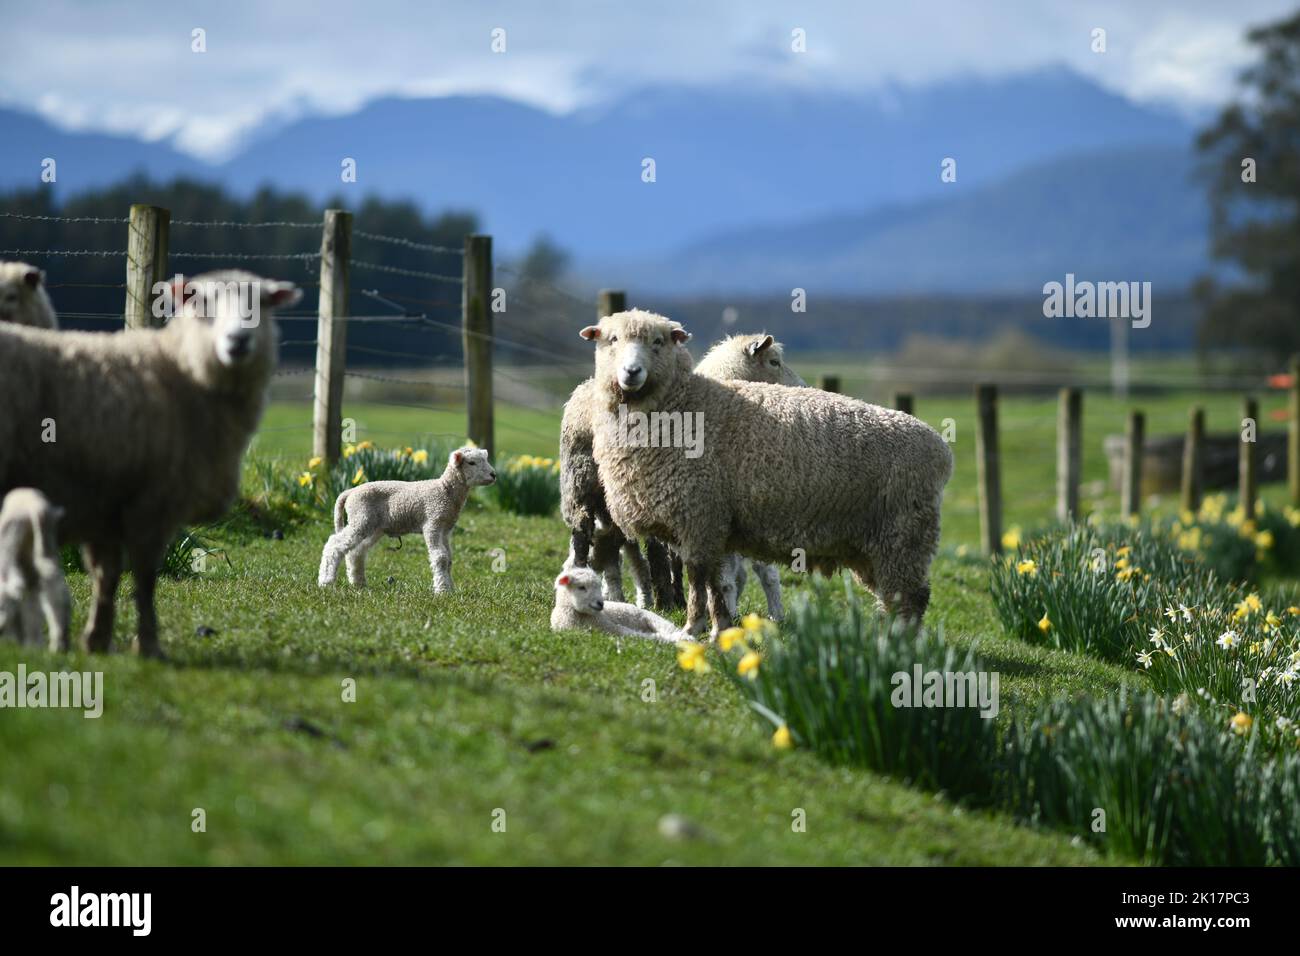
column 731, row 637
column 349, row 451
column 420, row 457
column 1045, row 624
column 781, row 739
column 751, row 622
column 1144, row 658
column 691, row 657
column 1241, row 722
column 365, row 446
column 1228, row 640
column 359, row 477
column 1011, row 539
column 748, row 666
column 305, row 479
column 1027, row 567
column 315, row 462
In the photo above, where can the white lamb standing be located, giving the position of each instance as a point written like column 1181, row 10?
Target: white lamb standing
column 580, row 605
column 783, row 470
column 23, row 299
column 394, row 508
column 140, row 432
column 31, row 575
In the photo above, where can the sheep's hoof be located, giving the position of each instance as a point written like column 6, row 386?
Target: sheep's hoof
column 151, row 652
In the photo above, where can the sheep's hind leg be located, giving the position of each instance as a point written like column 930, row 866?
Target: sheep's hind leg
column 640, row 571
column 104, row 561
column 704, row 592
column 356, row 560
column 145, row 559
column 338, row 548
column 770, row 578
column 661, row 573
column 606, row 561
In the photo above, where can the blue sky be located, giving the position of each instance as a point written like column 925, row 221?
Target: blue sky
column 127, row 66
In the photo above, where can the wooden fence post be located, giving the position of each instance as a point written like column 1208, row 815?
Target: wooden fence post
column 988, row 469
column 1069, row 453
column 829, row 383
column 609, row 301
column 1247, row 458
column 476, row 326
column 1293, row 435
column 332, row 335
column 146, row 263
column 1193, row 452
column 903, row 402
column 1131, row 491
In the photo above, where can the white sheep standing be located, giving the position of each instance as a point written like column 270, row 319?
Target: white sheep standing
column 23, row 299
column 31, row 573
column 394, row 508
column 139, row 432
column 750, row 358
column 579, row 605
column 781, row 470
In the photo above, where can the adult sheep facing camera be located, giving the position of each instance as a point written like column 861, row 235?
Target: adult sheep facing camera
column 136, row 433
column 778, row 469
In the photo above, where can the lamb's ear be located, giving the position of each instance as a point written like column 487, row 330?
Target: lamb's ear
column 590, row 332
column 563, row 581
column 458, row 457
column 681, row 336
column 753, row 348
column 33, row 277
column 280, row 295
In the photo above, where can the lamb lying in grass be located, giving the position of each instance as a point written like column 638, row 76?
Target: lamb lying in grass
column 579, row 605
column 23, row 300
column 31, row 576
column 395, row 508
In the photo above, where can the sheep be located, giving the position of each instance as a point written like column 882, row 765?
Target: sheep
column 136, row 433
column 579, row 605
column 23, row 299
column 755, row 358
column 395, row 508
column 31, row 573
column 778, row 471
column 749, row 358
column 582, row 506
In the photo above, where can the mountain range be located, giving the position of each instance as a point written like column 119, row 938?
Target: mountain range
column 755, row 189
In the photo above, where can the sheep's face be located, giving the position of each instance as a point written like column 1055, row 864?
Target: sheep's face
column 19, row 288
column 764, row 361
column 581, row 587
column 474, row 465
column 234, row 309
column 637, row 352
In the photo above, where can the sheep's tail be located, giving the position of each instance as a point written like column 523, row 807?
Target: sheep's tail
column 338, row 508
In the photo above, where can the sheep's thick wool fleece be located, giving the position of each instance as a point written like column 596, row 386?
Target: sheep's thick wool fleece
column 580, row 492
column 781, row 468
column 121, row 425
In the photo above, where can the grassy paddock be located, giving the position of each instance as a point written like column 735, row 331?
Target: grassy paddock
column 467, row 704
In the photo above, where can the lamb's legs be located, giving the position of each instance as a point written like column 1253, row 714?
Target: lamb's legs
column 104, row 561
column 356, row 559
column 338, row 547
column 770, row 578
column 438, row 543
column 661, row 573
column 640, row 571
column 56, row 602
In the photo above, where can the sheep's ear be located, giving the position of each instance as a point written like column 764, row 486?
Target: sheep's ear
column 681, row 336
column 33, row 277
column 753, row 348
column 590, row 332
column 281, row 295
column 458, row 457
column 563, row 581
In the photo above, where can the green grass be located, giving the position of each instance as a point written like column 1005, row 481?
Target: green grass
column 467, row 704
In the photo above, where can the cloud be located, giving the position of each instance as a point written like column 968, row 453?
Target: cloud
column 128, row 66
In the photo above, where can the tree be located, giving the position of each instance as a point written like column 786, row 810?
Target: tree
column 1252, row 157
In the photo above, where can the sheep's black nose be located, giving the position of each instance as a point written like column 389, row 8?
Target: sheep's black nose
column 632, row 369
column 600, row 605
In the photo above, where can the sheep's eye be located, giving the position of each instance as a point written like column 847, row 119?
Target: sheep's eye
column 613, row 339
column 775, row 362
column 659, row 341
